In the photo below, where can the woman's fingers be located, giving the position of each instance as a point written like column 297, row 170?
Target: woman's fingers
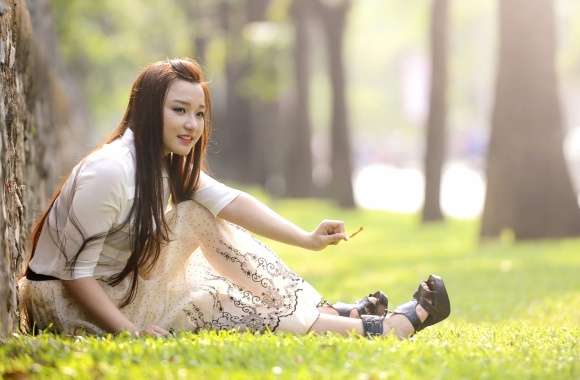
column 154, row 330
column 161, row 331
column 334, row 239
column 331, row 227
column 334, row 226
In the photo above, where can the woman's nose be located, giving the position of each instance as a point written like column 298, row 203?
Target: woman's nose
column 191, row 122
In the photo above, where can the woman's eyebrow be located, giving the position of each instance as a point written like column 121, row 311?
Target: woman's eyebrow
column 184, row 102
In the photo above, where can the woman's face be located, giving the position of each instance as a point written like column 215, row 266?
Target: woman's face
column 183, row 117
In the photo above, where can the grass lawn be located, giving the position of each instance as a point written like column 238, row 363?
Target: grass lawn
column 515, row 314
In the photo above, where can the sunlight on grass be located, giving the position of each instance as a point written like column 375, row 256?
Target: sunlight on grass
column 514, row 314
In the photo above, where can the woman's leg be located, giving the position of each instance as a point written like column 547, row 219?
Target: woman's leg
column 263, row 293
column 374, row 304
column 332, row 311
column 246, row 287
column 393, row 323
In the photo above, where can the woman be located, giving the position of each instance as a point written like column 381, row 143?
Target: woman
column 139, row 238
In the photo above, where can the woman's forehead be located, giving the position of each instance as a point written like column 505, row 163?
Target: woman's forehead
column 185, row 91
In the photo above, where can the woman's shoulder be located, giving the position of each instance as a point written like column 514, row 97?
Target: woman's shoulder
column 112, row 163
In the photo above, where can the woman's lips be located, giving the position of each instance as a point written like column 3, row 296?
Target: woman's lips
column 185, row 139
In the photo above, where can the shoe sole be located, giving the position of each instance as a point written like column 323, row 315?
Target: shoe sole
column 436, row 284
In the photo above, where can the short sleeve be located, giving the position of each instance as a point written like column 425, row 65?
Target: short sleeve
column 80, row 220
column 213, row 194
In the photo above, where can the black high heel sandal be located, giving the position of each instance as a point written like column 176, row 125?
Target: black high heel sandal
column 375, row 303
column 431, row 295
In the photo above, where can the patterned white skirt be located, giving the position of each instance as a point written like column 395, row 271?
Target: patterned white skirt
column 211, row 275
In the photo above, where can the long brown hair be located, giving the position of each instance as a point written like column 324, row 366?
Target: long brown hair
column 144, row 116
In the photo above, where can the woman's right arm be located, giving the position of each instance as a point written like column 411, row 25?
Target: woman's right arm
column 92, row 298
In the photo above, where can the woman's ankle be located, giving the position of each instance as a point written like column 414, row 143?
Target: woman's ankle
column 399, row 325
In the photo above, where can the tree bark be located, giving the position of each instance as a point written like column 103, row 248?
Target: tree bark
column 436, row 122
column 529, row 188
column 333, row 16
column 298, row 162
column 32, row 111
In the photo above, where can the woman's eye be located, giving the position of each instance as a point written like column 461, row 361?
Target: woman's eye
column 179, row 109
column 200, row 114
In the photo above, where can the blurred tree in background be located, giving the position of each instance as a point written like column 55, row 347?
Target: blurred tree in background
column 233, row 123
column 289, row 77
column 201, row 26
column 333, row 16
column 529, row 188
column 436, row 132
column 104, row 43
column 298, row 172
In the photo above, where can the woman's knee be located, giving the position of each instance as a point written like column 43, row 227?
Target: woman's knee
column 192, row 219
column 192, row 209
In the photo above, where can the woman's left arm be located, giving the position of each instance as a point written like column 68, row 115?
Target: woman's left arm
column 253, row 215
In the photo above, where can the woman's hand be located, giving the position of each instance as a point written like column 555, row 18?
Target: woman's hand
column 153, row 330
column 328, row 232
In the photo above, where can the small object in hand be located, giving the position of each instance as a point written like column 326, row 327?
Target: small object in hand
column 356, row 232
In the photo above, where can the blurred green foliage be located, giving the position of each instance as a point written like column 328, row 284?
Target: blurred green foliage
column 104, row 43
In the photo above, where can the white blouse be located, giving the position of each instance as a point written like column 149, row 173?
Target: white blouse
column 104, row 184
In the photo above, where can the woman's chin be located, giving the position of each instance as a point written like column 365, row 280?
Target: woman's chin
column 181, row 151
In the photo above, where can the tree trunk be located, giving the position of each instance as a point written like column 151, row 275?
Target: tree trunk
column 262, row 62
column 257, row 9
column 233, row 130
column 33, row 112
column 529, row 188
column 204, row 19
column 333, row 16
column 437, row 119
column 73, row 119
column 200, row 28
column 298, row 166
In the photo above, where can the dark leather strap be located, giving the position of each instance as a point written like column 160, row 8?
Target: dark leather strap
column 372, row 325
column 33, row 276
column 364, row 306
column 409, row 310
column 426, row 298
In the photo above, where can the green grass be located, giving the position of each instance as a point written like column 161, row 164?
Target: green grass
column 515, row 314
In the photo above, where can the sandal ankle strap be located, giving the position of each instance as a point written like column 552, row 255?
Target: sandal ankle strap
column 409, row 311
column 364, row 306
column 372, row 325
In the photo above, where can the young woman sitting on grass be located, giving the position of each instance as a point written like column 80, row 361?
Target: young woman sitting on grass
column 140, row 238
